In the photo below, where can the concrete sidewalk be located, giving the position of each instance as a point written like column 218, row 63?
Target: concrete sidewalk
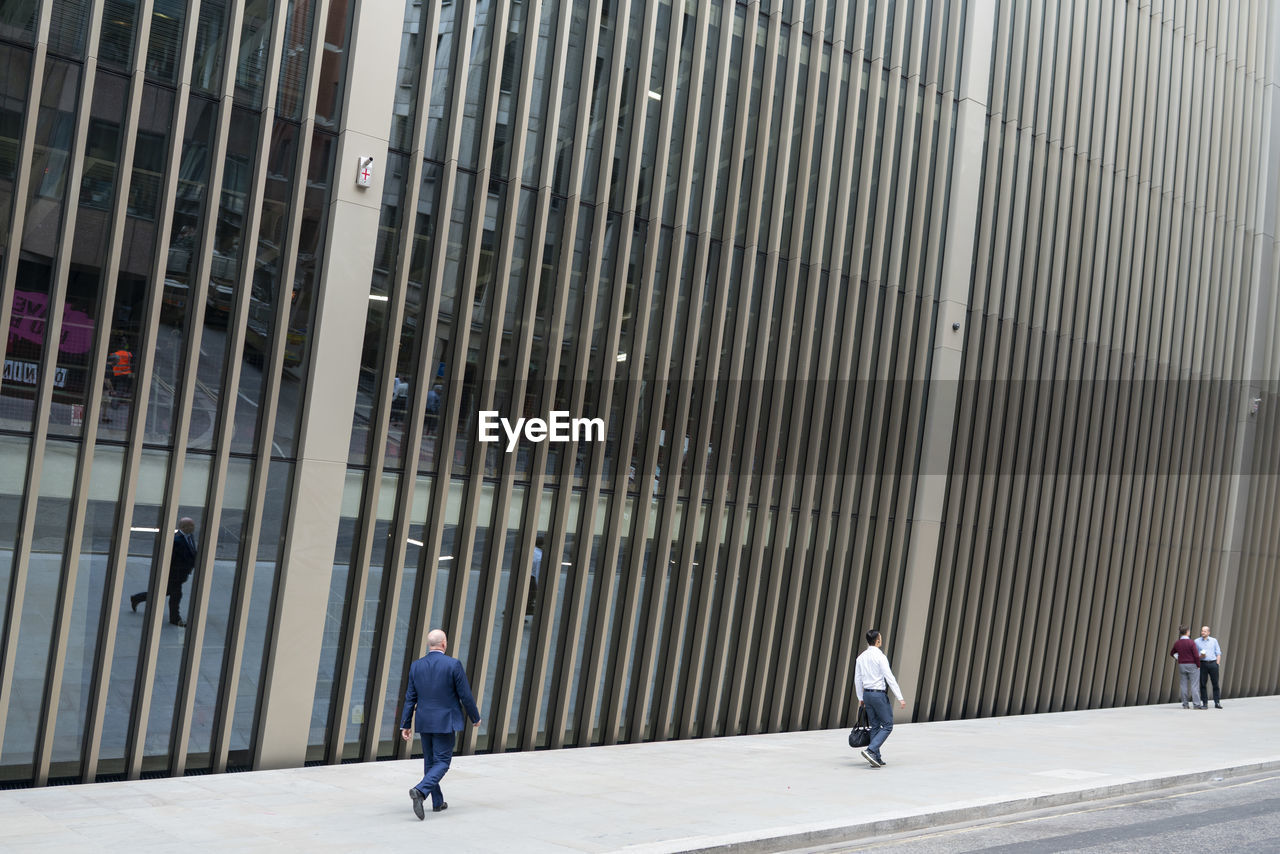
column 751, row 793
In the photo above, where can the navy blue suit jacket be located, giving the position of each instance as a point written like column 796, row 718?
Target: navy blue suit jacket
column 439, row 691
column 182, row 560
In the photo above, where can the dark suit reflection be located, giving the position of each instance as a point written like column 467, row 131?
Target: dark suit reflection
column 182, row 562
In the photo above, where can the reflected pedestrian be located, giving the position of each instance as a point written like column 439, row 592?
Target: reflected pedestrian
column 434, row 400
column 181, row 564
column 399, row 400
column 438, row 691
column 532, row 601
column 119, row 376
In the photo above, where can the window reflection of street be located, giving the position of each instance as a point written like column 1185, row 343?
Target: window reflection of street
column 17, row 405
column 47, row 541
column 215, row 265
column 204, row 401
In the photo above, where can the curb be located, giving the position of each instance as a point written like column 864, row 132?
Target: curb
column 799, row 838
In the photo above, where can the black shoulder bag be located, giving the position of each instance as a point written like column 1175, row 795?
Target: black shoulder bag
column 860, row 735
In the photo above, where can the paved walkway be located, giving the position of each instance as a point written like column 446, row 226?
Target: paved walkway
column 751, row 793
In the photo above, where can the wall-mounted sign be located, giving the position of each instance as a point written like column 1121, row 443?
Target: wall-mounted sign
column 364, row 171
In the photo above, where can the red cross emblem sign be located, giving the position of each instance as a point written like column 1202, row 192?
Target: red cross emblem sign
column 364, row 172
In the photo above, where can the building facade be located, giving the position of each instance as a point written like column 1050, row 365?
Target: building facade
column 954, row 318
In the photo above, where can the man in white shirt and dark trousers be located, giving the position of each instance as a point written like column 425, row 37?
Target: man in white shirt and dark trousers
column 1210, row 656
column 871, row 679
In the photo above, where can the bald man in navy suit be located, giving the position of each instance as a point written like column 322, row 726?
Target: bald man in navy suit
column 438, row 691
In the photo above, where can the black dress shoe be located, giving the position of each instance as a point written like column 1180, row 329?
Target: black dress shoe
column 443, row 806
column 416, row 797
column 1217, row 705
column 134, row 600
column 179, row 622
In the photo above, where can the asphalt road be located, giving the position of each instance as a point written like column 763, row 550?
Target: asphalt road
column 1240, row 814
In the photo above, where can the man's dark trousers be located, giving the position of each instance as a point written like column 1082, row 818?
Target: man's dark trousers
column 174, row 591
column 437, row 754
column 176, row 580
column 441, row 685
column 880, row 716
column 1209, row 670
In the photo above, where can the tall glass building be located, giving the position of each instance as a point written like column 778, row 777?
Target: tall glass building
column 953, row 318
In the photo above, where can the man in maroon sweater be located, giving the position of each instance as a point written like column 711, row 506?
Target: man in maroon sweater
column 1188, row 658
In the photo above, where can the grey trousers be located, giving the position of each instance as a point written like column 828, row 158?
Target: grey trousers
column 1189, row 683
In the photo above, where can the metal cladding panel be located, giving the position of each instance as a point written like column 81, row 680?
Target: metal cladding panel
column 1109, row 470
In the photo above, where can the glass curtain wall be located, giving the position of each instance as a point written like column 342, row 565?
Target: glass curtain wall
column 168, row 243
column 677, row 298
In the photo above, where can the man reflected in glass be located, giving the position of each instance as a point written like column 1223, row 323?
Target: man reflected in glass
column 181, row 564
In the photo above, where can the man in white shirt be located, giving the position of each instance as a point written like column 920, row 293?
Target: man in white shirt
column 1210, row 658
column 871, row 679
column 399, row 399
column 533, row 580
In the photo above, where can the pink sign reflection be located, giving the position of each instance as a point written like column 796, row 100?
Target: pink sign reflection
column 29, row 318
